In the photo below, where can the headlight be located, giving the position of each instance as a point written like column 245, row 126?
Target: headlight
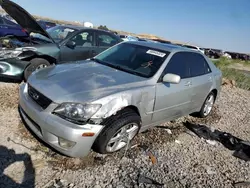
column 76, row 112
column 10, row 53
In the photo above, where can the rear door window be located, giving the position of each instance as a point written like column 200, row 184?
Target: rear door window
column 198, row 64
column 106, row 40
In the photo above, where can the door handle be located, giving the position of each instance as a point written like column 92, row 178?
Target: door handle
column 188, row 83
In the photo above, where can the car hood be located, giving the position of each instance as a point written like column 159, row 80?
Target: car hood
column 23, row 18
column 82, row 81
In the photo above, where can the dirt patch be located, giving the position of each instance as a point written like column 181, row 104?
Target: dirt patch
column 66, row 163
column 190, row 163
column 24, row 132
column 9, row 95
column 214, row 117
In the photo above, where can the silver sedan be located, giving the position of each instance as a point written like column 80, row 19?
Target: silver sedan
column 104, row 102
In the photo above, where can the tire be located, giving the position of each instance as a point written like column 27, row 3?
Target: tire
column 36, row 63
column 112, row 126
column 204, row 112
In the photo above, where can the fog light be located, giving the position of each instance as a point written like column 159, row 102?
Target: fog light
column 66, row 143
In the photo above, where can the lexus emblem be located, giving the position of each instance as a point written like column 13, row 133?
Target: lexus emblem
column 34, row 95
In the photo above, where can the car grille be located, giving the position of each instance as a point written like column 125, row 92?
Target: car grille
column 38, row 97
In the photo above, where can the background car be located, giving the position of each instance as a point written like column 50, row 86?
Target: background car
column 9, row 17
column 226, row 55
column 46, row 24
column 67, row 43
column 104, row 102
column 8, row 27
column 128, row 38
column 161, row 41
column 55, row 45
column 214, row 53
column 195, row 48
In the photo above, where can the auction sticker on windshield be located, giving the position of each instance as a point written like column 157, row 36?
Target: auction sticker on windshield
column 154, row 52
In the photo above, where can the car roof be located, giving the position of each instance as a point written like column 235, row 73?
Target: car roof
column 161, row 46
column 77, row 27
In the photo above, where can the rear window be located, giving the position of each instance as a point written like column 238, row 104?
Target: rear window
column 50, row 23
column 8, row 22
column 137, row 59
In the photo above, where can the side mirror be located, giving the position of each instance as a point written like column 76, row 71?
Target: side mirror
column 71, row 44
column 171, row 78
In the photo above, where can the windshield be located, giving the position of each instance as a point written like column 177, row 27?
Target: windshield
column 58, row 33
column 132, row 58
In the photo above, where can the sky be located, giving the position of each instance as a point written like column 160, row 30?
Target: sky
column 222, row 24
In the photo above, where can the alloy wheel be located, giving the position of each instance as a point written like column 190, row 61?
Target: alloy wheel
column 122, row 137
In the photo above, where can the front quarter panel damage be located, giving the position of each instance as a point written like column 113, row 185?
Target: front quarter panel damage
column 50, row 51
column 142, row 99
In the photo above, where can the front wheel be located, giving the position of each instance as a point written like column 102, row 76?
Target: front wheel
column 35, row 64
column 117, row 133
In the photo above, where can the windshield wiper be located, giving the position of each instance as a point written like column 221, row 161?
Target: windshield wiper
column 96, row 60
column 117, row 67
column 105, row 63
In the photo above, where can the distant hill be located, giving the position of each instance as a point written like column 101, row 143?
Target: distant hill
column 148, row 36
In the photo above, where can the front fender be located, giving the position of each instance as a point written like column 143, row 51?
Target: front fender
column 27, row 55
column 141, row 98
column 12, row 70
column 114, row 103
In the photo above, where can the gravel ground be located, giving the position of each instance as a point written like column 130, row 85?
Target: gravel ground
column 183, row 160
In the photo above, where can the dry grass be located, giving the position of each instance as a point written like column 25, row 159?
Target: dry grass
column 230, row 70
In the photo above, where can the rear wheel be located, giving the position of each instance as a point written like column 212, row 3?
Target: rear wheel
column 35, row 64
column 118, row 132
column 207, row 105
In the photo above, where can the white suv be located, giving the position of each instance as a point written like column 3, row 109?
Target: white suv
column 195, row 47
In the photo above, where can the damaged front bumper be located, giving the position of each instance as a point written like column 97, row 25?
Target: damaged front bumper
column 65, row 137
column 12, row 70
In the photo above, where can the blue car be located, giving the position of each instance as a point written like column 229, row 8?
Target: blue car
column 8, row 27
